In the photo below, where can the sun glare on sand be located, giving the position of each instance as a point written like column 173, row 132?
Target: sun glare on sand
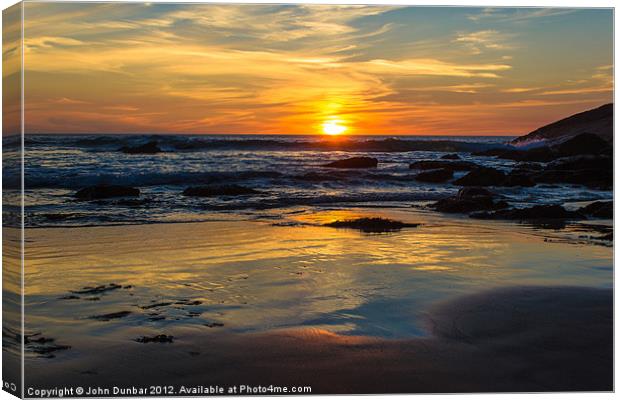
column 333, row 128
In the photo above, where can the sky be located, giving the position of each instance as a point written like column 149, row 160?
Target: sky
column 311, row 69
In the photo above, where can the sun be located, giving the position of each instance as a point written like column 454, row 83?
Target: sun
column 333, row 128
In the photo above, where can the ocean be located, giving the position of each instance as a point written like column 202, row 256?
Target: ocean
column 286, row 170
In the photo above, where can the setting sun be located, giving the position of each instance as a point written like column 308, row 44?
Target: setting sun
column 333, row 128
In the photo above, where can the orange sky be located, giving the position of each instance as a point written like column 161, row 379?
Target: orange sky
column 192, row 68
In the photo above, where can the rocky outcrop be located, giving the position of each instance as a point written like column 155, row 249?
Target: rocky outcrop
column 469, row 199
column 372, row 225
column 435, row 175
column 452, row 156
column 599, row 209
column 590, row 171
column 155, row 339
column 598, row 121
column 482, row 176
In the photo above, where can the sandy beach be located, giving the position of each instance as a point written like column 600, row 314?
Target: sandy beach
column 290, row 301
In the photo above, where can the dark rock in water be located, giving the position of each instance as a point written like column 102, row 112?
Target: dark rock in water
column 42, row 346
column 590, row 171
column 483, row 176
column 97, row 289
column 539, row 212
column 435, row 175
column 69, row 297
column 473, row 192
column 114, row 315
column 599, row 209
column 585, row 143
column 189, row 302
column 155, row 339
column 372, row 225
column 600, row 163
column 437, row 164
column 155, row 305
column 452, row 156
column 469, row 199
column 105, row 192
column 38, row 340
column 151, row 147
column 214, row 324
column 354, row 162
column 519, row 178
column 219, row 190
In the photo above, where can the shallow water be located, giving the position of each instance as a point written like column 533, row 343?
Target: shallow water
column 238, row 275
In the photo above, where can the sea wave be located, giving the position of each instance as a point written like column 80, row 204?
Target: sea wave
column 182, row 143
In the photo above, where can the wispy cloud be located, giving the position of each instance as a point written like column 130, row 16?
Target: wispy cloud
column 477, row 42
column 285, row 69
column 517, row 14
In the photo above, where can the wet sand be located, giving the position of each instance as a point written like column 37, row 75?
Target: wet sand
column 513, row 339
column 452, row 305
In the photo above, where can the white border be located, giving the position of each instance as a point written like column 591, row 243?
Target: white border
column 479, row 3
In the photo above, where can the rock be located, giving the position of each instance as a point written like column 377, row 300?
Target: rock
column 97, row 289
column 519, row 178
column 69, row 297
column 473, row 192
column 219, row 190
column 435, row 175
column 599, row 209
column 114, row 315
column 354, row 162
column 483, row 176
column 597, row 121
column 214, row 324
column 452, row 156
column 151, row 147
column 189, row 302
column 36, row 343
column 155, row 305
column 581, row 144
column 105, row 192
column 582, row 162
column 437, row 164
column 538, row 212
column 469, row 199
column 372, row 225
column 155, row 339
column 585, row 143
column 590, row 171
